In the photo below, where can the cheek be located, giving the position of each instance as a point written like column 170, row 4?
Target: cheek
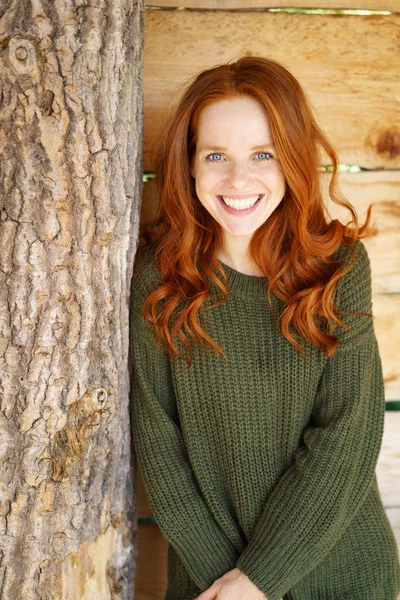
column 277, row 179
column 206, row 180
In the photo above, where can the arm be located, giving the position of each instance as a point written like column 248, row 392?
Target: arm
column 173, row 493
column 332, row 469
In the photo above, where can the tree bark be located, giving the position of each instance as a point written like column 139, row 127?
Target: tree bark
column 71, row 120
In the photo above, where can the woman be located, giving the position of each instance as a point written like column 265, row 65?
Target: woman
column 257, row 411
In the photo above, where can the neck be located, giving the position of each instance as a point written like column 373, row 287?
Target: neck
column 235, row 253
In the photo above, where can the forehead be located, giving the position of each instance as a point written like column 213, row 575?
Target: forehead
column 232, row 120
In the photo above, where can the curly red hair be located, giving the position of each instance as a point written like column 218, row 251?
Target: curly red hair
column 294, row 245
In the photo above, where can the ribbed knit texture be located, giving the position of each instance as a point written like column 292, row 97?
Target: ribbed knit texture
column 264, row 459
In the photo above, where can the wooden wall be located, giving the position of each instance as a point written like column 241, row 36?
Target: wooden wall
column 373, row 5
column 349, row 66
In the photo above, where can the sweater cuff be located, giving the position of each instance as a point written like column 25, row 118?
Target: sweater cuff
column 250, row 565
column 206, row 559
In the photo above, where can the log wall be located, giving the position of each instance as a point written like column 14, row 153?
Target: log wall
column 348, row 65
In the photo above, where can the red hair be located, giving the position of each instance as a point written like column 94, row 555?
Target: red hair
column 292, row 247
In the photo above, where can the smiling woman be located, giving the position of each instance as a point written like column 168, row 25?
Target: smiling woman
column 258, row 445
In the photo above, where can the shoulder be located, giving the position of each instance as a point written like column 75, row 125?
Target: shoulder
column 356, row 251
column 354, row 292
column 354, row 287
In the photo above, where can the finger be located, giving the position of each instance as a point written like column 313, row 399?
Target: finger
column 208, row 594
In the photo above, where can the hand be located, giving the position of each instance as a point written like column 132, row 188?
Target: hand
column 234, row 585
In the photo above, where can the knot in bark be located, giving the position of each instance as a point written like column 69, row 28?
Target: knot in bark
column 22, row 55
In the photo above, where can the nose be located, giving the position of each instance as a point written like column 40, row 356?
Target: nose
column 238, row 175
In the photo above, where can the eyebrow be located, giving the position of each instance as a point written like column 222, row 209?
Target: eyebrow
column 222, row 149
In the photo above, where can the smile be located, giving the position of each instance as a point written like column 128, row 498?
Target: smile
column 244, row 205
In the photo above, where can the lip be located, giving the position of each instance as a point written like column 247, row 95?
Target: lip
column 246, row 211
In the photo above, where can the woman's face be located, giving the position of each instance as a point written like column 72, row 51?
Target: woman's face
column 235, row 159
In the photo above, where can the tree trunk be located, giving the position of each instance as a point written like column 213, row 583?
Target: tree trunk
column 71, row 119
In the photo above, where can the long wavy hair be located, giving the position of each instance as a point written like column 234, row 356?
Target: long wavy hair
column 292, row 247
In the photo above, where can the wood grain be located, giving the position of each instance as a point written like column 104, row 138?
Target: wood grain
column 382, row 190
column 386, row 310
column 384, row 5
column 348, row 65
column 393, row 515
column 151, row 564
column 388, row 468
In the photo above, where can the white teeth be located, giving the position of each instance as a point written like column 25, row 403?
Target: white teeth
column 240, row 204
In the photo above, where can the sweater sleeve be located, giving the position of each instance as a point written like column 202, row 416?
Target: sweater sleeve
column 172, row 489
column 333, row 467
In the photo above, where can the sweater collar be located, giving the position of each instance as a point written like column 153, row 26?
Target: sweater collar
column 244, row 284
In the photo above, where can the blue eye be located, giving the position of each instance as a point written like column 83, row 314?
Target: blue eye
column 214, row 154
column 267, row 154
column 218, row 154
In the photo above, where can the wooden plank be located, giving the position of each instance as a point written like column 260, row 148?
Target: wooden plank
column 378, row 5
column 393, row 515
column 346, row 64
column 386, row 309
column 382, row 189
column 388, row 467
column 151, row 564
column 142, row 504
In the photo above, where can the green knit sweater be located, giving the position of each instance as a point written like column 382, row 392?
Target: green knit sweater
column 265, row 459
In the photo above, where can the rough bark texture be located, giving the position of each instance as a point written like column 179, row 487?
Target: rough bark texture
column 70, row 187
